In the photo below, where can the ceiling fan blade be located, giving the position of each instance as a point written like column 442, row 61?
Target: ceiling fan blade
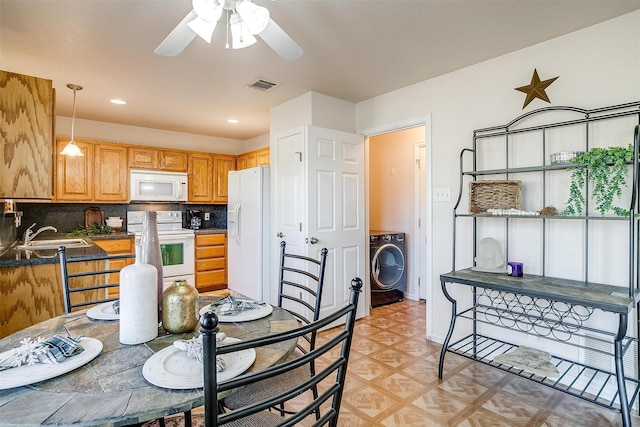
column 280, row 41
column 178, row 39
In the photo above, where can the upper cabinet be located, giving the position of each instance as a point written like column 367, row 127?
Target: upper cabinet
column 111, row 173
column 200, row 178
column 143, row 158
column 157, row 159
column 101, row 175
column 253, row 159
column 26, row 140
column 174, row 161
column 222, row 164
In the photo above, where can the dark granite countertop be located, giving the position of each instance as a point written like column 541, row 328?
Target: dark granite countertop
column 211, row 231
column 112, row 236
column 20, row 257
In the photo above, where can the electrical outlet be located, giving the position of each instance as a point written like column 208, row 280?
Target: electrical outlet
column 207, row 216
column 442, row 194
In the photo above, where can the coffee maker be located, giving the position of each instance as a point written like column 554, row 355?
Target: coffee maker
column 194, row 219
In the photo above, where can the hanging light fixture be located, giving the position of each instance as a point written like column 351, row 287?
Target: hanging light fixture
column 72, row 148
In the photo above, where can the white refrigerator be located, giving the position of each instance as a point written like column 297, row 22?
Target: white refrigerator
column 248, row 255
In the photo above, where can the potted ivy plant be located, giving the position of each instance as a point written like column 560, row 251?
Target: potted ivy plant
column 606, row 170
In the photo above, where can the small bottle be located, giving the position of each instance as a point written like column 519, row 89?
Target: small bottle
column 180, row 308
column 138, row 302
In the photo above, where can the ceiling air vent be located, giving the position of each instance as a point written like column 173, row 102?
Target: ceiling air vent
column 263, row 85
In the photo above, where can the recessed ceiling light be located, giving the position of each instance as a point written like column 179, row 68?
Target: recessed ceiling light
column 118, row 101
column 233, row 121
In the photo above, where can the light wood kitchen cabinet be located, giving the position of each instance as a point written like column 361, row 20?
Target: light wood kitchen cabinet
column 263, row 156
column 253, row 159
column 143, row 158
column 116, row 247
column 173, row 161
column 158, row 159
column 211, row 262
column 111, row 174
column 222, row 164
column 74, row 175
column 26, row 140
column 99, row 176
column 200, row 178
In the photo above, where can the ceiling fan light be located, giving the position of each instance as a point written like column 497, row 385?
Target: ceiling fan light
column 240, row 35
column 203, row 28
column 208, row 10
column 72, row 150
column 255, row 17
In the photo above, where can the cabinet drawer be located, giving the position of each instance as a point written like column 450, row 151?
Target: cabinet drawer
column 210, row 278
column 210, row 264
column 210, row 252
column 210, row 239
column 118, row 246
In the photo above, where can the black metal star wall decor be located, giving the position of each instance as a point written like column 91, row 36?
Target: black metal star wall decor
column 536, row 89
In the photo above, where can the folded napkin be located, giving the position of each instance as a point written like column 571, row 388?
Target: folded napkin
column 193, row 347
column 230, row 305
column 116, row 306
column 52, row 350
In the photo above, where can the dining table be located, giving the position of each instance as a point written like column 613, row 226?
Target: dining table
column 110, row 389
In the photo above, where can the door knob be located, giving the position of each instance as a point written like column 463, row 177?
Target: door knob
column 312, row 240
column 280, row 235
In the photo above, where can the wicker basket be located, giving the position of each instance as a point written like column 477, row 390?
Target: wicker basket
column 485, row 195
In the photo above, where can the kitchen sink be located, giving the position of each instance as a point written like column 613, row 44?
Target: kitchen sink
column 35, row 245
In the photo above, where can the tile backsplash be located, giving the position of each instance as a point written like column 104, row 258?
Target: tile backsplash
column 68, row 217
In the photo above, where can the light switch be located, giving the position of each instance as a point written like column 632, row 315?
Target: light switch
column 442, row 194
column 207, row 216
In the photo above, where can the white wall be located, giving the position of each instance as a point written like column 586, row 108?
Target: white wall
column 313, row 109
column 597, row 66
column 113, row 132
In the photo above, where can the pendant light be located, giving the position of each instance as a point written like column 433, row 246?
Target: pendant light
column 72, row 148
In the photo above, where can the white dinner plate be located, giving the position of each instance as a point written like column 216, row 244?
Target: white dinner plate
column 103, row 311
column 172, row 368
column 25, row 375
column 242, row 316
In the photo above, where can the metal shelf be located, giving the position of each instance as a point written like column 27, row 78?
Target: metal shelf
column 586, row 383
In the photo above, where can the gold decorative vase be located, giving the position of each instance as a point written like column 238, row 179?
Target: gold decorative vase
column 180, row 312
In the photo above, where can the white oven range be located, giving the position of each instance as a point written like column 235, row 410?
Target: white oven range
column 177, row 244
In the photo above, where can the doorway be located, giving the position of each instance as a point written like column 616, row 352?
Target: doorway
column 397, row 197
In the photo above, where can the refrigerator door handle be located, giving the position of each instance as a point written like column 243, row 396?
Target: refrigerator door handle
column 237, row 221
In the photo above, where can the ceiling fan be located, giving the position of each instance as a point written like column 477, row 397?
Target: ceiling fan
column 245, row 20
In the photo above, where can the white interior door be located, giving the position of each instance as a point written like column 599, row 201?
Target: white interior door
column 336, row 211
column 420, row 244
column 289, row 199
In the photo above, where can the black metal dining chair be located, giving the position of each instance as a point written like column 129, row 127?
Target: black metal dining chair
column 91, row 282
column 331, row 358
column 300, row 293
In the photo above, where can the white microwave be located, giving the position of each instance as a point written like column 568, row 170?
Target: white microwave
column 153, row 186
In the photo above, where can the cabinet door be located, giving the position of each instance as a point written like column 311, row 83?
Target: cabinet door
column 143, row 158
column 200, row 178
column 74, row 175
column 221, row 166
column 262, row 157
column 111, row 173
column 241, row 162
column 26, row 140
column 116, row 247
column 174, row 161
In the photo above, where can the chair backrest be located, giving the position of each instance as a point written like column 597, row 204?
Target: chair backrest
column 88, row 278
column 300, row 288
column 330, row 379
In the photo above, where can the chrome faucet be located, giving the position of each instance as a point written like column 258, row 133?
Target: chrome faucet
column 30, row 235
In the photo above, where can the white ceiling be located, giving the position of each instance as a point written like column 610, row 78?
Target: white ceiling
column 354, row 50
